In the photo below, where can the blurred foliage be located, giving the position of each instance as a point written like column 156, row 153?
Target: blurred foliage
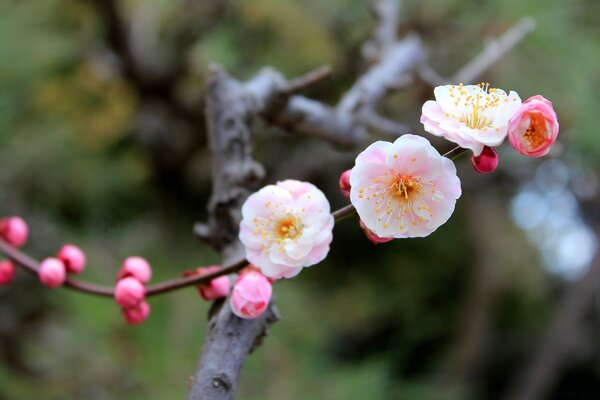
column 376, row 322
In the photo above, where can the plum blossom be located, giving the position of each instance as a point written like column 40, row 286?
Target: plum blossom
column 215, row 289
column 286, row 227
column 52, row 272
column 251, row 294
column 403, row 189
column 486, row 162
column 534, row 127
column 137, row 314
column 7, row 272
column 472, row 116
column 73, row 258
column 129, row 292
column 136, row 267
column 14, row 230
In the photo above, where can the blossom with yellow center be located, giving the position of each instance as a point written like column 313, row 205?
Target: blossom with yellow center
column 403, row 189
column 472, row 116
column 534, row 127
column 286, row 227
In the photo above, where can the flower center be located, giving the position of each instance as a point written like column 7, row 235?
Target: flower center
column 289, row 228
column 476, row 107
column 536, row 131
column 405, row 186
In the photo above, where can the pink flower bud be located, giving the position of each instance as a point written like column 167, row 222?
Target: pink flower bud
column 136, row 267
column 52, row 272
column 14, row 230
column 345, row 183
column 372, row 236
column 215, row 289
column 486, row 162
column 534, row 127
column 7, row 272
column 129, row 292
column 137, row 314
column 251, row 294
column 73, row 257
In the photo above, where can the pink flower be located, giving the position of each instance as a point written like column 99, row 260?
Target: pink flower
column 471, row 116
column 403, row 189
column 14, row 230
column 216, row 289
column 486, row 162
column 286, row 227
column 73, row 258
column 137, row 314
column 136, row 267
column 129, row 292
column 52, row 272
column 345, row 183
column 251, row 294
column 7, row 272
column 373, row 237
column 534, row 127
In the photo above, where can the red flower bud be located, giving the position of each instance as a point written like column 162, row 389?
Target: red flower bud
column 486, row 162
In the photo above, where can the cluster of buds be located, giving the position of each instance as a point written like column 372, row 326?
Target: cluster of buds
column 130, row 292
column 14, row 231
column 69, row 260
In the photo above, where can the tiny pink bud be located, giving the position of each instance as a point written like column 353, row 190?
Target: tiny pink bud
column 137, row 314
column 129, row 292
column 73, row 257
column 14, row 230
column 215, row 289
column 7, row 272
column 52, row 272
column 486, row 162
column 373, row 237
column 251, row 294
column 345, row 183
column 136, row 267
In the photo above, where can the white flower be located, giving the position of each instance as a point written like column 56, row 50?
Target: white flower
column 471, row 116
column 286, row 227
column 403, row 189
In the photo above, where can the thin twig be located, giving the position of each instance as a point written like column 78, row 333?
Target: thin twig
column 312, row 78
column 31, row 265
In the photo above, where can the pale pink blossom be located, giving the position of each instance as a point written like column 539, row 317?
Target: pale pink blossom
column 137, row 314
column 534, row 127
column 215, row 289
column 373, row 237
column 345, row 183
column 14, row 230
column 73, row 258
column 52, row 272
column 286, row 227
column 136, row 267
column 403, row 189
column 7, row 272
column 251, row 294
column 471, row 116
column 129, row 292
column 486, row 162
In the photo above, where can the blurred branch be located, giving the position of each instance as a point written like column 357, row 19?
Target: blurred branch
column 558, row 342
column 385, row 32
column 493, row 51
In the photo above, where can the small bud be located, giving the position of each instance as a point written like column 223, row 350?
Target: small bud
column 136, row 267
column 486, row 162
column 215, row 289
column 129, row 292
column 373, row 237
column 7, row 272
column 52, row 272
column 345, row 183
column 14, row 230
column 251, row 295
column 138, row 314
column 73, row 257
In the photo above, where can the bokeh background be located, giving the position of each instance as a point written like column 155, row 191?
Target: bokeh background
column 109, row 152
